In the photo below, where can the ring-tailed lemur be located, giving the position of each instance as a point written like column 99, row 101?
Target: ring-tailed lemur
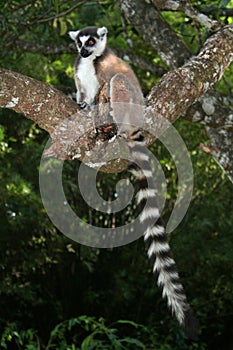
column 96, row 65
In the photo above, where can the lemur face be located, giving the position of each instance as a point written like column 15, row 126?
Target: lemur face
column 90, row 41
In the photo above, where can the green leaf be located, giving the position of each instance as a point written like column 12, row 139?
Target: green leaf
column 1, row 133
column 133, row 341
column 55, row 23
column 87, row 342
column 134, row 324
column 63, row 26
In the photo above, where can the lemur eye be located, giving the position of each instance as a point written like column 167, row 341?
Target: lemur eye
column 79, row 43
column 91, row 42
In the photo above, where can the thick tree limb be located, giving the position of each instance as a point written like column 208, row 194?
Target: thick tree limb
column 215, row 113
column 179, row 89
column 221, row 146
column 36, row 100
column 148, row 22
column 50, row 109
column 212, row 110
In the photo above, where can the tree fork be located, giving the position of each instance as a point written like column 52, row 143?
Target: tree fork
column 170, row 98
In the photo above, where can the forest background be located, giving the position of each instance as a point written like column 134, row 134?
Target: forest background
column 58, row 294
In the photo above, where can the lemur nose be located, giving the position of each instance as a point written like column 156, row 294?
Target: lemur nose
column 84, row 52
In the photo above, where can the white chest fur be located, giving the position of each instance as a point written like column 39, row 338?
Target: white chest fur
column 89, row 84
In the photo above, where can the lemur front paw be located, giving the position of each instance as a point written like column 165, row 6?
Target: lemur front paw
column 108, row 131
column 84, row 105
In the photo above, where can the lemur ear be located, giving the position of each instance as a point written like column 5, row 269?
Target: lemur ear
column 74, row 34
column 102, row 31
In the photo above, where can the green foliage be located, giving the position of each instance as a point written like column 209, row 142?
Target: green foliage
column 87, row 333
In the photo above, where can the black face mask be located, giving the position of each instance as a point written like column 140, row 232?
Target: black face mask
column 85, row 53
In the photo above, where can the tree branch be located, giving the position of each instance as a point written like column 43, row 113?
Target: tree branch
column 147, row 21
column 214, row 112
column 227, row 12
column 221, row 145
column 36, row 100
column 58, row 15
column 179, row 89
column 186, row 7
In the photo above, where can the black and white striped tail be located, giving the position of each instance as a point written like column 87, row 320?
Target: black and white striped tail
column 155, row 237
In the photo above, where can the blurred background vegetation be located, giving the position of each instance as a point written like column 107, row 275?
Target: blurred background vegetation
column 57, row 294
